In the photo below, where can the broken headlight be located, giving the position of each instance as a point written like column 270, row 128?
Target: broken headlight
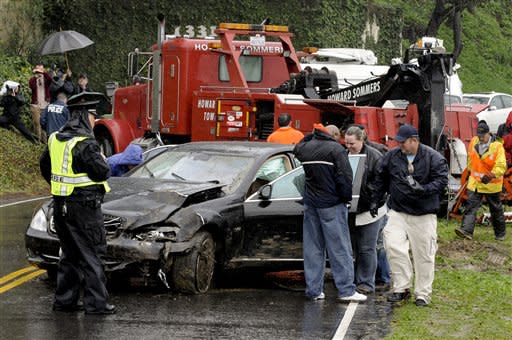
column 161, row 234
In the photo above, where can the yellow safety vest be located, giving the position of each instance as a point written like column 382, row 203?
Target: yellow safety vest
column 63, row 179
column 492, row 161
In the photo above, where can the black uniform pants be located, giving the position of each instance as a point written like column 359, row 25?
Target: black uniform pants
column 81, row 233
column 495, row 207
column 18, row 124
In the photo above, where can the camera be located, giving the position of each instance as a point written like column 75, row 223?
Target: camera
column 410, row 180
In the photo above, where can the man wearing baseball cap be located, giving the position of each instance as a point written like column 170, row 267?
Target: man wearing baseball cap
column 74, row 166
column 414, row 175
column 487, row 164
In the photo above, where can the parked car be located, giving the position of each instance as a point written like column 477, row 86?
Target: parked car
column 500, row 105
column 195, row 208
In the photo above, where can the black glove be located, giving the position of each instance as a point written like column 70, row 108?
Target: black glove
column 415, row 186
column 374, row 209
column 486, row 179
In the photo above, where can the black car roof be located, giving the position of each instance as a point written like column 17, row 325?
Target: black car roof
column 245, row 148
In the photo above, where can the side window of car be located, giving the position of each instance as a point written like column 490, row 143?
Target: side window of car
column 289, row 186
column 507, row 101
column 270, row 170
column 496, row 102
column 295, row 161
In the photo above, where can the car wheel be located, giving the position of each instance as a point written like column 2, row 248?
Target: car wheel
column 192, row 272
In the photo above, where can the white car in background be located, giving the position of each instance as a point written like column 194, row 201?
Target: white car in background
column 500, row 105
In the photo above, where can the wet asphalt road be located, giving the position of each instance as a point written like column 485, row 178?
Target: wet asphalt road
column 246, row 307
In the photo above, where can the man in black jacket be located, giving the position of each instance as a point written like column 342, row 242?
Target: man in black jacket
column 77, row 171
column 328, row 190
column 414, row 175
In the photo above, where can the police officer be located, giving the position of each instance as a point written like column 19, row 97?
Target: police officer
column 55, row 115
column 77, row 171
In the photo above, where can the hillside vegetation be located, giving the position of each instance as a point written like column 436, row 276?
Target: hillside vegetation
column 19, row 166
column 486, row 58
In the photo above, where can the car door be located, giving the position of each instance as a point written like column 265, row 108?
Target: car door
column 273, row 215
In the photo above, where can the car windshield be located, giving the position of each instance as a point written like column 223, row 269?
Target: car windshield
column 475, row 100
column 196, row 166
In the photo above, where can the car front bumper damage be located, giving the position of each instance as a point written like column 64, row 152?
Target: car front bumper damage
column 122, row 252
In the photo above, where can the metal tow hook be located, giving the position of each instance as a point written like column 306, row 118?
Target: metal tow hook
column 163, row 278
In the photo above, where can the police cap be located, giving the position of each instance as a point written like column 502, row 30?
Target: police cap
column 96, row 102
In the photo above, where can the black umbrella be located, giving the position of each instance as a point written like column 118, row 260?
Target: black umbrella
column 62, row 42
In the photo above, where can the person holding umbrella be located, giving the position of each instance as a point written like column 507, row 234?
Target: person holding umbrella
column 61, row 83
column 62, row 42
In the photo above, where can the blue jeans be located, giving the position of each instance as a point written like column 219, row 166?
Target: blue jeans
column 364, row 244
column 326, row 229
column 382, row 275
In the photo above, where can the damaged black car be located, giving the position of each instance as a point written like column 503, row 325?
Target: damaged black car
column 195, row 209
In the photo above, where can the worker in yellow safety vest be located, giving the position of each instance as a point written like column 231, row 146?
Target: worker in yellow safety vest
column 74, row 166
column 487, row 165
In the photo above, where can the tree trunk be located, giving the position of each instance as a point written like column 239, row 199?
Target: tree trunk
column 457, row 33
column 436, row 19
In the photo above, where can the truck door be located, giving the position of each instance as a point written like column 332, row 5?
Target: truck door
column 171, row 120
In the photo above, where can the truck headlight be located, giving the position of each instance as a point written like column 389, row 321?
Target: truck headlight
column 39, row 221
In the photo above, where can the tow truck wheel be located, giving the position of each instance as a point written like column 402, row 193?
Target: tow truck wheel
column 105, row 142
column 192, row 272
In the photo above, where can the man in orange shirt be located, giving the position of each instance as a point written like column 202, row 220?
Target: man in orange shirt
column 285, row 134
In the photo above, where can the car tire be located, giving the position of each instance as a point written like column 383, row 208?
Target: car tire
column 192, row 272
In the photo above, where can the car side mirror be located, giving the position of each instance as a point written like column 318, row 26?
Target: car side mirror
column 265, row 192
column 492, row 108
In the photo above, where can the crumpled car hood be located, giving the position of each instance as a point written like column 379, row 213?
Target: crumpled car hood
column 143, row 201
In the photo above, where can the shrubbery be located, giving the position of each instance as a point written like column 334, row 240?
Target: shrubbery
column 19, row 159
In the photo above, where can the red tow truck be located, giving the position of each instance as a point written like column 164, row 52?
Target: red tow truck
column 235, row 86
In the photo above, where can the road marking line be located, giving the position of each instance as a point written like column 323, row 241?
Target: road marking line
column 345, row 322
column 25, row 201
column 15, row 274
column 21, row 280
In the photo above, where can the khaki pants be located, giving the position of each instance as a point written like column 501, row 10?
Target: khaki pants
column 36, row 115
column 418, row 233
